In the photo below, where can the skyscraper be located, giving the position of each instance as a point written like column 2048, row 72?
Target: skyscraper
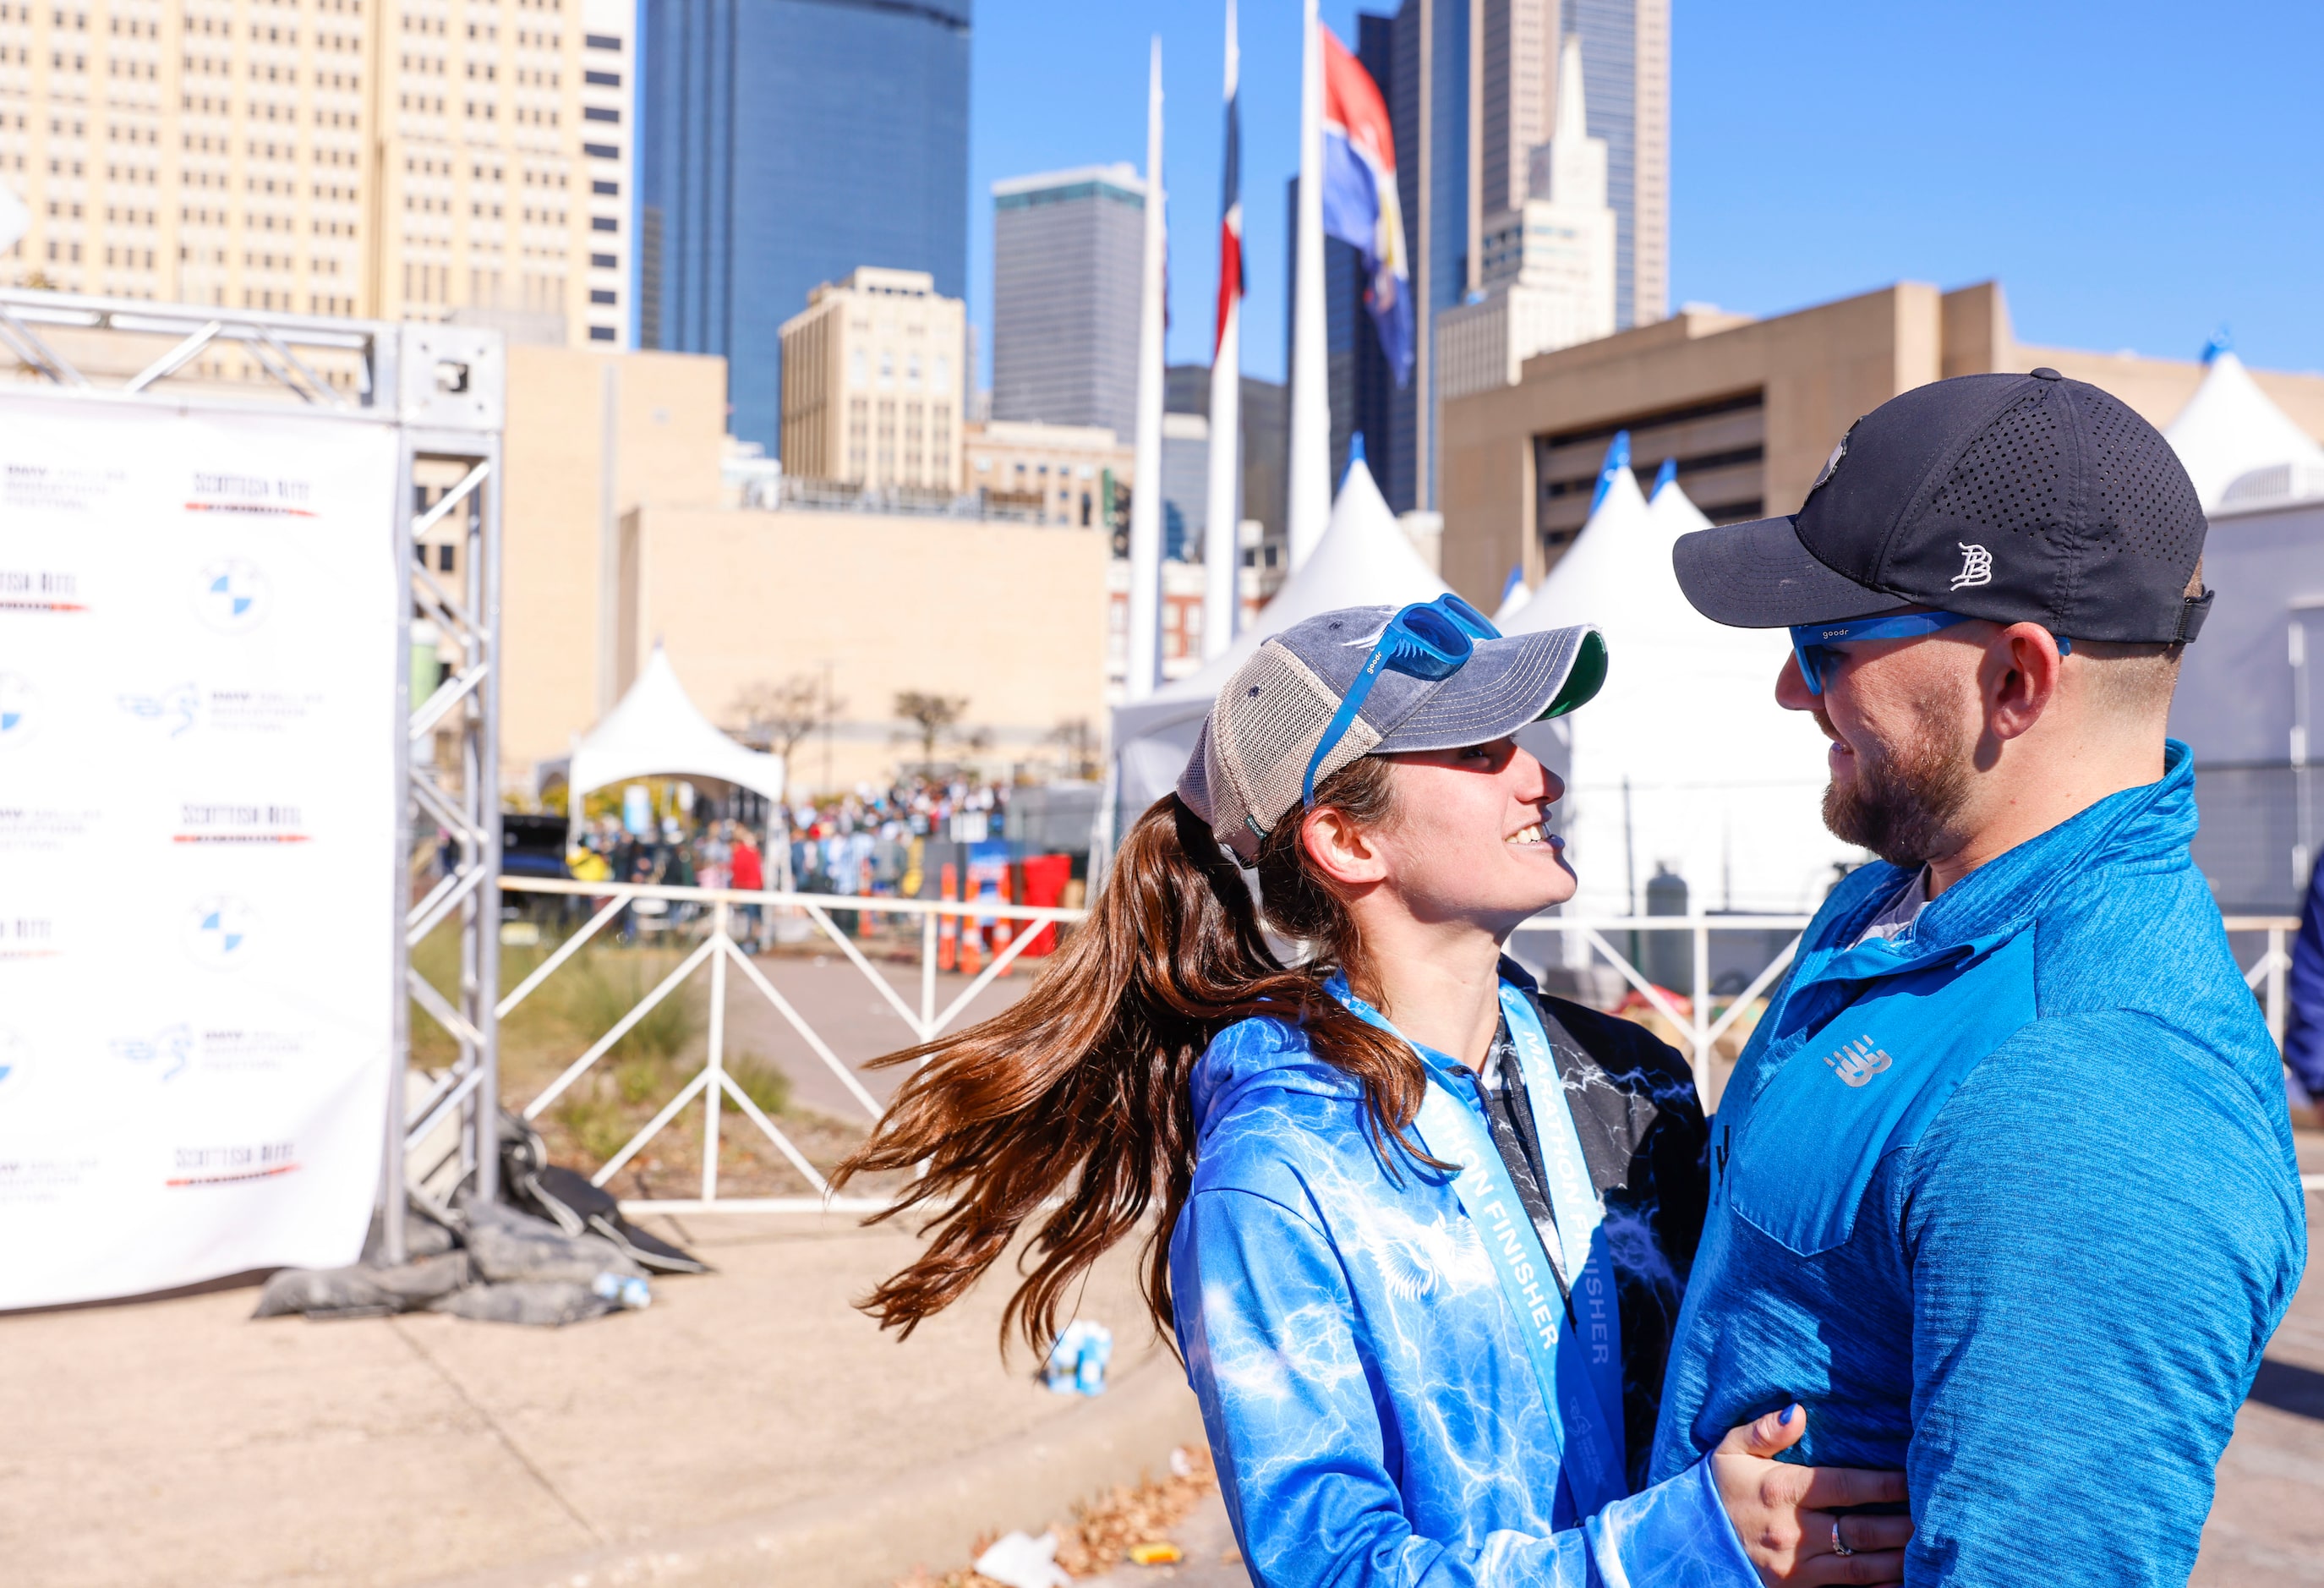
column 1548, row 275
column 1066, row 252
column 787, row 142
column 333, row 157
column 1626, row 78
column 1469, row 114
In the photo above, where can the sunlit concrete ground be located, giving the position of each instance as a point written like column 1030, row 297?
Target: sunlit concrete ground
column 749, row 1428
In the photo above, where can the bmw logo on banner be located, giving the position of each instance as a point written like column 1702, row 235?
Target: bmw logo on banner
column 19, row 711
column 219, row 932
column 232, row 595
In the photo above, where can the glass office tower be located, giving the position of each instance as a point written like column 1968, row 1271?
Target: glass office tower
column 785, row 143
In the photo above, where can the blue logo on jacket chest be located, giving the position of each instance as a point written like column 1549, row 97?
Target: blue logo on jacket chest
column 1806, row 1128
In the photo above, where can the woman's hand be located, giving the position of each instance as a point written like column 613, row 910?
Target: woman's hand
column 1782, row 1511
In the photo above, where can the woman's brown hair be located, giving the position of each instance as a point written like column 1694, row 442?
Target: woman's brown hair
column 1076, row 1101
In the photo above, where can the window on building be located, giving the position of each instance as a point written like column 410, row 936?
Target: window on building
column 603, row 223
column 887, row 368
column 601, row 333
column 942, row 378
column 611, row 189
column 912, row 372
column 602, row 79
column 605, row 262
column 858, row 368
column 603, row 41
column 601, row 295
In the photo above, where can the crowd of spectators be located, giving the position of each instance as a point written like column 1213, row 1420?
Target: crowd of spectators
column 866, row 842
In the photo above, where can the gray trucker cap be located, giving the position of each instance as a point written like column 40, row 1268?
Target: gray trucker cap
column 1252, row 755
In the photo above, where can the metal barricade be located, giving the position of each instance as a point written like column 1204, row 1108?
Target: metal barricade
column 1699, row 1022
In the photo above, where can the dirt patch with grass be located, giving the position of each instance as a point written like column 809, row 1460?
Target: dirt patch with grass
column 604, row 1108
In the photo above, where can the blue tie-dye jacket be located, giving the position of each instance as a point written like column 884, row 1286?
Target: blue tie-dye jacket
column 1368, row 1399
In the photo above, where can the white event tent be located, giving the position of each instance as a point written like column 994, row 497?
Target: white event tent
column 1684, row 760
column 2238, row 445
column 1363, row 560
column 655, row 731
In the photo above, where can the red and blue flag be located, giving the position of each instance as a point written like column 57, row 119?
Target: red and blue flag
column 1359, row 199
column 1230, row 283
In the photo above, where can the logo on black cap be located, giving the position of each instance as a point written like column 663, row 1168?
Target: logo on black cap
column 1977, row 566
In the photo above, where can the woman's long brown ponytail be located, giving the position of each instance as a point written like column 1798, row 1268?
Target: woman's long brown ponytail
column 1076, row 1097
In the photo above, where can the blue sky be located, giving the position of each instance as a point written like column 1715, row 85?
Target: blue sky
column 2134, row 173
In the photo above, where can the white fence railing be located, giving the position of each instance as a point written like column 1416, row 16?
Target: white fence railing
column 1699, row 1023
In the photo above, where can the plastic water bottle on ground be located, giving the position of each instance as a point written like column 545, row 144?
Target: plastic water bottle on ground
column 622, row 1290
column 1077, row 1362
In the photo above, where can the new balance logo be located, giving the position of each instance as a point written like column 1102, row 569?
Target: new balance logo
column 1858, row 1062
column 1977, row 566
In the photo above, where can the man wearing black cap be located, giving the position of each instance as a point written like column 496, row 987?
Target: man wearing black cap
column 2003, row 1186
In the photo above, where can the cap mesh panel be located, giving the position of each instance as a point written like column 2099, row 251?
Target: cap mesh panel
column 1266, row 724
column 2016, row 464
column 2145, row 503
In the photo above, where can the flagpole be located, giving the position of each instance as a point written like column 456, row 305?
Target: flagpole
column 1309, row 508
column 1223, row 513
column 1146, row 488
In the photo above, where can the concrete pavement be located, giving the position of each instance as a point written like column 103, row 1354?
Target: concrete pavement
column 749, row 1428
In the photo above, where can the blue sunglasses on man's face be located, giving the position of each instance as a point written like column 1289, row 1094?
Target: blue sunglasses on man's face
column 1429, row 639
column 1812, row 642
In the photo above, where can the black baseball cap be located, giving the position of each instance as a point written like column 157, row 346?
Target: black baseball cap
column 2019, row 498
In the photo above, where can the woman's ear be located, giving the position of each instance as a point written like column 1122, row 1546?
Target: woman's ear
column 1339, row 849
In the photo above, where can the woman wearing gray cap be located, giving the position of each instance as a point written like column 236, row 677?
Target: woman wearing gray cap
column 1422, row 1232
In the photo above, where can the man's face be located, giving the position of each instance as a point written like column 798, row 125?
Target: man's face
column 1902, row 717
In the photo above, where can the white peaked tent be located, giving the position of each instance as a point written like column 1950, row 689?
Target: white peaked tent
column 1684, row 760
column 1514, row 596
column 2230, row 428
column 1364, row 560
column 655, row 731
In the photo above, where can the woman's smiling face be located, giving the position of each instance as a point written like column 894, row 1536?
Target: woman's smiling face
column 1471, row 838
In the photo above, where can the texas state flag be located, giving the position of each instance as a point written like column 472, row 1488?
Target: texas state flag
column 1360, row 203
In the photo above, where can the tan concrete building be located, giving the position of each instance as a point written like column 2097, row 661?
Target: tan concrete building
column 1072, row 474
column 591, row 437
column 1748, row 409
column 1012, row 616
column 623, row 527
column 873, row 373
column 388, row 158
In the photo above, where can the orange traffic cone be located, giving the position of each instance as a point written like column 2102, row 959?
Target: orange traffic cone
column 947, row 926
column 1003, row 929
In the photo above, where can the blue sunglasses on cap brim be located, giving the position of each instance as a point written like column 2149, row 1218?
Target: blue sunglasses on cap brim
column 1812, row 642
column 1430, row 640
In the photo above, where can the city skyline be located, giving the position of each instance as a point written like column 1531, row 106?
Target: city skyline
column 788, row 143
column 2170, row 236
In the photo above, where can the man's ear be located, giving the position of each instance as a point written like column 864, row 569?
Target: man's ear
column 2019, row 679
column 1339, row 849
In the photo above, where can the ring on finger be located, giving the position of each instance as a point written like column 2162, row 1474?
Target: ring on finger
column 1839, row 1545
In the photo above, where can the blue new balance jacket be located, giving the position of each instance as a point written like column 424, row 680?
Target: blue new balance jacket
column 1369, row 1400
column 2009, row 1203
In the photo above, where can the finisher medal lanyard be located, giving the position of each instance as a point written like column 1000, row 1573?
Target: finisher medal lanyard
column 1576, row 1357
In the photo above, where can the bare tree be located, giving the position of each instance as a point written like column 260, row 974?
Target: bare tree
column 932, row 716
column 779, row 715
column 1079, row 740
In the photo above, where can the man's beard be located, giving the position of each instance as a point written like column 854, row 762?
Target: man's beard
column 1906, row 794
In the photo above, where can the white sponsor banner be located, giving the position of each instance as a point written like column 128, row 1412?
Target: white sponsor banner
column 198, row 809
